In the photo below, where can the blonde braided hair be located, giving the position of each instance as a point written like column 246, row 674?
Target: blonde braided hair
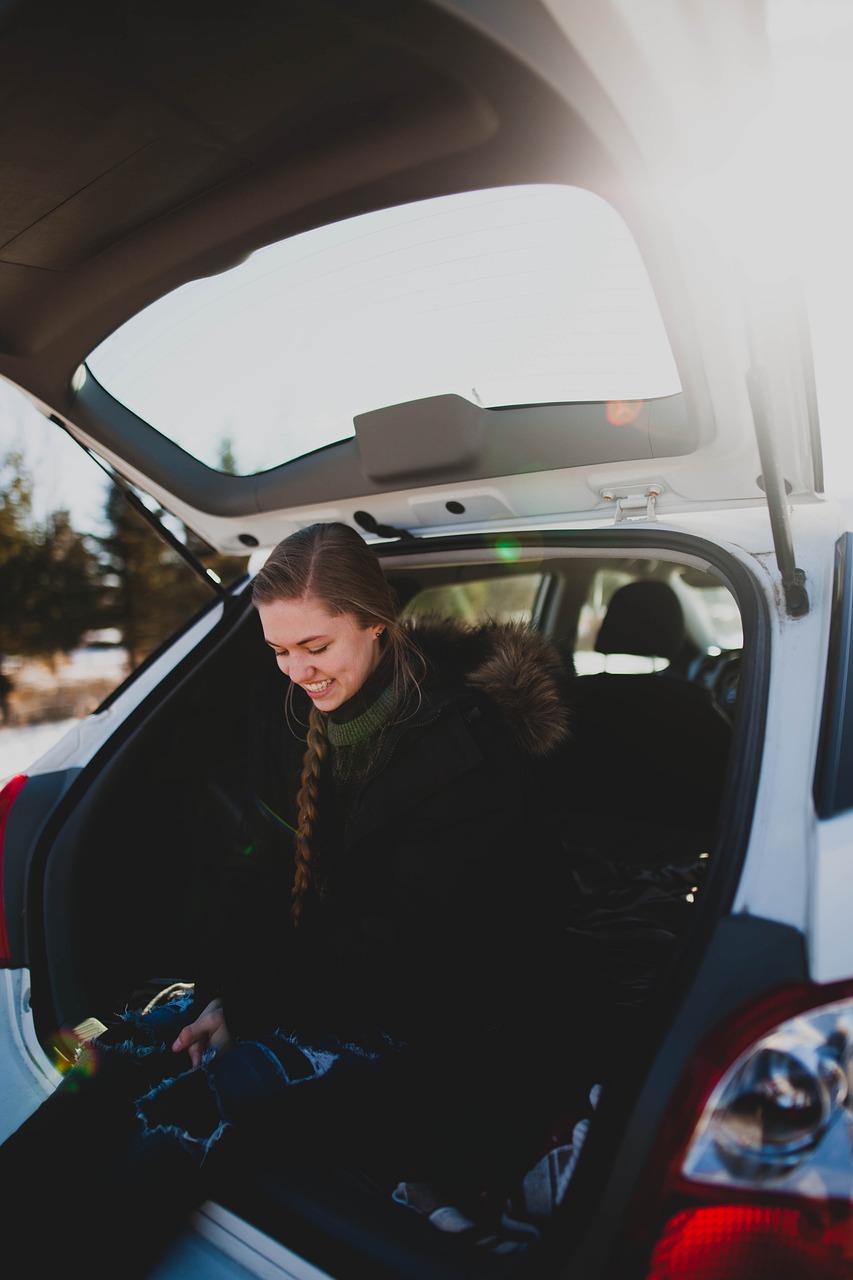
column 317, row 749
column 332, row 564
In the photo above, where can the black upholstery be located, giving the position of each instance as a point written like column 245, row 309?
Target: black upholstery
column 644, row 618
column 643, row 774
column 646, row 750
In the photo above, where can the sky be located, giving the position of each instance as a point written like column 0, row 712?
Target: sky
column 814, row 43
column 65, row 477
column 815, row 51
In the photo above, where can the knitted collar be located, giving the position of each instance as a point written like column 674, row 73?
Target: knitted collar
column 363, row 726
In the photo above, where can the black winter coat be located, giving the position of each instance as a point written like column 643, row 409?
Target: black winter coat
column 440, row 887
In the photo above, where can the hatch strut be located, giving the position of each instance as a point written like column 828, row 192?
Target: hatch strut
column 793, row 579
column 206, row 575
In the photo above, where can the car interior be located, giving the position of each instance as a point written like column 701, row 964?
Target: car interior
column 640, row 786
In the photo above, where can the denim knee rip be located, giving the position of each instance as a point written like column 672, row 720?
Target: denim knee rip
column 196, row 1106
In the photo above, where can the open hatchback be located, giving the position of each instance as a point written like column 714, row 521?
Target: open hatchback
column 469, row 277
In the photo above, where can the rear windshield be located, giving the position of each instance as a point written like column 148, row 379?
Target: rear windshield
column 523, row 295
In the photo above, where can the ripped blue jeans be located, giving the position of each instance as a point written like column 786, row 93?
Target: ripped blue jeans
column 134, row 1138
column 245, row 1086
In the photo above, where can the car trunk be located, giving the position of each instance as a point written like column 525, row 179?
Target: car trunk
column 653, row 840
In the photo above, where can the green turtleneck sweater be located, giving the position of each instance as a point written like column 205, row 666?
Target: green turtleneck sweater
column 354, row 731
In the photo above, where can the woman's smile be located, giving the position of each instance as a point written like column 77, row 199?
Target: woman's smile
column 317, row 688
column 329, row 655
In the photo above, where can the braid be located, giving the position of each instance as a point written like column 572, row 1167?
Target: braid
column 317, row 747
column 331, row 565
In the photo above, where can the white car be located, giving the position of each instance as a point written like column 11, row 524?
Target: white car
column 440, row 270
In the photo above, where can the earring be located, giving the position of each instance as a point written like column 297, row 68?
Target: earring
column 378, row 632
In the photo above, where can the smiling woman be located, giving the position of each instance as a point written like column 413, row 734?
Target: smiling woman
column 334, row 644
column 397, row 818
column 482, row 310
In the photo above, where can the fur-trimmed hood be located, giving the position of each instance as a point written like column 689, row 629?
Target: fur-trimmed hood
column 513, row 664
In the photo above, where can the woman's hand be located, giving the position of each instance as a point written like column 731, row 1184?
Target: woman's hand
column 207, row 1032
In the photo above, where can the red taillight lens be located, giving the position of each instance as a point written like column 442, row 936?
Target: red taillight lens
column 8, row 796
column 752, row 1242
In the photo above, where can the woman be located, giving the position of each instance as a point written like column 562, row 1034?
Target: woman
column 377, row 957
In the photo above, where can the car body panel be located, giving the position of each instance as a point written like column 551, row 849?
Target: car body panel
column 28, row 1076
column 829, row 911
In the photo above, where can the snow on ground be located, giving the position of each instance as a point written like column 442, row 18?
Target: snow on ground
column 21, row 746
column 41, row 695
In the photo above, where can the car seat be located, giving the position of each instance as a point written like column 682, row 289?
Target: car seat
column 645, row 618
column 644, row 771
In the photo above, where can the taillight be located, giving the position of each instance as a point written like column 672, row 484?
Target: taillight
column 751, row 1242
column 8, row 796
column 758, row 1179
column 770, row 1119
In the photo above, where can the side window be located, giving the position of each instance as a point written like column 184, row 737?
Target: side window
column 89, row 589
column 833, row 784
column 501, row 599
column 587, row 661
column 711, row 624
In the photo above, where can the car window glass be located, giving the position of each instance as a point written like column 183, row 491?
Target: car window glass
column 505, row 599
column 506, row 297
column 88, row 588
column 712, row 620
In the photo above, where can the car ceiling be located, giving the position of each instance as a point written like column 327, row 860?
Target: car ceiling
column 145, row 143
column 148, row 142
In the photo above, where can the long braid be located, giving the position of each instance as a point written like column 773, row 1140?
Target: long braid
column 317, row 748
column 333, row 565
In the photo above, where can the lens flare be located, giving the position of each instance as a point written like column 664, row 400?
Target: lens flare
column 508, row 549
column 621, row 413
column 265, row 808
column 72, row 1059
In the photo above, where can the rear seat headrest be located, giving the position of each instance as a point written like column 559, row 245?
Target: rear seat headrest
column 643, row 618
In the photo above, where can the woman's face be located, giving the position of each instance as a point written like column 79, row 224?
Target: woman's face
column 330, row 656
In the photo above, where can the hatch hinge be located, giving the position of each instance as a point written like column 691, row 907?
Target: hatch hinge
column 634, row 502
column 773, row 484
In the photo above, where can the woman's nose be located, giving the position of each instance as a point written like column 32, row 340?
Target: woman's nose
column 300, row 668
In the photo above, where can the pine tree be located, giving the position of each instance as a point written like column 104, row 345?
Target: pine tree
column 50, row 577
column 152, row 590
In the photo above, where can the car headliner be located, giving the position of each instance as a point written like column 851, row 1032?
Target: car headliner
column 149, row 143
column 145, row 144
